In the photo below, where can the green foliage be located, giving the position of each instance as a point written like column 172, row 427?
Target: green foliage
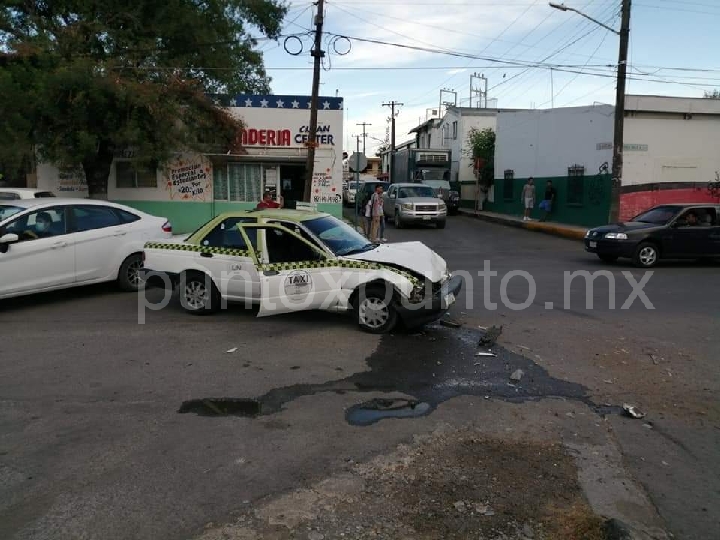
column 715, row 94
column 481, row 145
column 84, row 79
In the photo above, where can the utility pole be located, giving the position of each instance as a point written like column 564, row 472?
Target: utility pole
column 618, row 139
column 364, row 134
column 473, row 91
column 357, row 180
column 317, row 53
column 392, row 106
column 552, row 90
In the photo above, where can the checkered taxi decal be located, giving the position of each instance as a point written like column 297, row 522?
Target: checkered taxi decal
column 199, row 249
column 278, row 267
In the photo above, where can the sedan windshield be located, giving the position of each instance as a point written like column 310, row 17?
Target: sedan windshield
column 415, row 191
column 660, row 215
column 341, row 238
column 7, row 210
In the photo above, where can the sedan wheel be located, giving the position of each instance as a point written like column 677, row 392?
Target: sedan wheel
column 198, row 294
column 646, row 255
column 373, row 312
column 129, row 276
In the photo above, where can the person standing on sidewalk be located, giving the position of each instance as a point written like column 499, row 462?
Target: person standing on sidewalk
column 547, row 203
column 376, row 211
column 528, row 198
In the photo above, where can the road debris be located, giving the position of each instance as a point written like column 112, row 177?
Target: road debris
column 490, row 336
column 234, row 349
column 450, row 323
column 483, row 353
column 483, row 510
column 517, row 375
column 653, row 358
column 633, row 412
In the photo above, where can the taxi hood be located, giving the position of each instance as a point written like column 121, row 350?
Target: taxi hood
column 414, row 256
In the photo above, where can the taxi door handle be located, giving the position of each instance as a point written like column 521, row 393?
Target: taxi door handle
column 59, row 245
column 206, row 254
column 271, row 273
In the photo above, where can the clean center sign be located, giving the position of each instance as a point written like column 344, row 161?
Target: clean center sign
column 253, row 136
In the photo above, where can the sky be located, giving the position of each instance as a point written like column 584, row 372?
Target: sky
column 670, row 40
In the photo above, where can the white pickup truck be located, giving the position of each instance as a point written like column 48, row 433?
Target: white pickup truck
column 290, row 260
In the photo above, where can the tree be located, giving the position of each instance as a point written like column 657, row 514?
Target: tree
column 82, row 80
column 715, row 94
column 481, row 148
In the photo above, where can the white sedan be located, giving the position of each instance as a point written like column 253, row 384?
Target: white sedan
column 54, row 243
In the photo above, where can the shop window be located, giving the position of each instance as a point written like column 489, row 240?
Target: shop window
column 238, row 182
column 509, row 185
column 455, row 130
column 130, row 174
column 576, row 185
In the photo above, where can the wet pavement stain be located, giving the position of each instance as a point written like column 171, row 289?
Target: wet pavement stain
column 433, row 367
column 375, row 410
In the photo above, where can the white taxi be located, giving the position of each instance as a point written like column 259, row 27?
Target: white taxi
column 289, row 260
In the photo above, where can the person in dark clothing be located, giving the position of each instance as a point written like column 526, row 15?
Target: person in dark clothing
column 547, row 203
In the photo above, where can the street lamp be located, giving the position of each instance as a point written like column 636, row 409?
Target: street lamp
column 617, row 165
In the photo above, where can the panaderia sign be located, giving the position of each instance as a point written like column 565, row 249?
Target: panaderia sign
column 287, row 136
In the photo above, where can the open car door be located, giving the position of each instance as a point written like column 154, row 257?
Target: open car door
column 294, row 274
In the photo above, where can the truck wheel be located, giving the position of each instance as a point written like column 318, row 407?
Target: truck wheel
column 198, row 294
column 374, row 312
column 398, row 222
column 129, row 276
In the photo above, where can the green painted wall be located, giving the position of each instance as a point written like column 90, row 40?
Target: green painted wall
column 591, row 210
column 188, row 216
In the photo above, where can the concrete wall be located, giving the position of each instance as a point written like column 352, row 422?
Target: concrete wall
column 543, row 144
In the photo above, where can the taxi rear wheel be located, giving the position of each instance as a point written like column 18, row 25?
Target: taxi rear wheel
column 198, row 294
column 375, row 311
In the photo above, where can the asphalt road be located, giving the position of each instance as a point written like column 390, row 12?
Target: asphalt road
column 92, row 445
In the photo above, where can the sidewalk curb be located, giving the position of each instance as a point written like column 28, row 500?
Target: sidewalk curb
column 547, row 228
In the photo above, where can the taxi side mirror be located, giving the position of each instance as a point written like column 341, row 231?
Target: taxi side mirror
column 393, row 196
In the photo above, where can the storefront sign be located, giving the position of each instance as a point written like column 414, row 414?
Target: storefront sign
column 284, row 137
column 626, row 147
column 189, row 178
column 323, row 188
column 71, row 180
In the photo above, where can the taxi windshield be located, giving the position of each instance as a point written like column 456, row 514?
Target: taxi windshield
column 341, row 238
column 7, row 210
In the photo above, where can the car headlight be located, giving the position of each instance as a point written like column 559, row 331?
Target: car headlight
column 442, row 206
column 406, row 206
column 588, row 234
column 616, row 236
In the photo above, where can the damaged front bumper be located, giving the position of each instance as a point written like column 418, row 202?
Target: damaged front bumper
column 432, row 307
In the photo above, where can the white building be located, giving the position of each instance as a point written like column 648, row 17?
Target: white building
column 671, row 154
column 193, row 188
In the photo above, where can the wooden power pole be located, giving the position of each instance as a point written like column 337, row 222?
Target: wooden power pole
column 317, row 53
column 618, row 138
column 364, row 135
column 392, row 106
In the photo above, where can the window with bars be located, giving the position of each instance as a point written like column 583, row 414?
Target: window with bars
column 130, row 174
column 509, row 185
column 238, row 182
column 576, row 185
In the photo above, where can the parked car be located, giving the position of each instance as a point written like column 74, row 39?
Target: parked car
column 669, row 231
column 450, row 197
column 414, row 203
column 286, row 261
column 56, row 243
column 13, row 194
column 349, row 193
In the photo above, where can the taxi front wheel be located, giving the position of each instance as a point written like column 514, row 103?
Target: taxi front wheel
column 374, row 310
column 198, row 294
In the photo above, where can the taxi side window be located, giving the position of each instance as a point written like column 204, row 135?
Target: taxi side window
column 284, row 247
column 299, row 231
column 227, row 235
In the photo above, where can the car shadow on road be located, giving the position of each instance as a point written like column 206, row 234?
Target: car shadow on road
column 61, row 296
